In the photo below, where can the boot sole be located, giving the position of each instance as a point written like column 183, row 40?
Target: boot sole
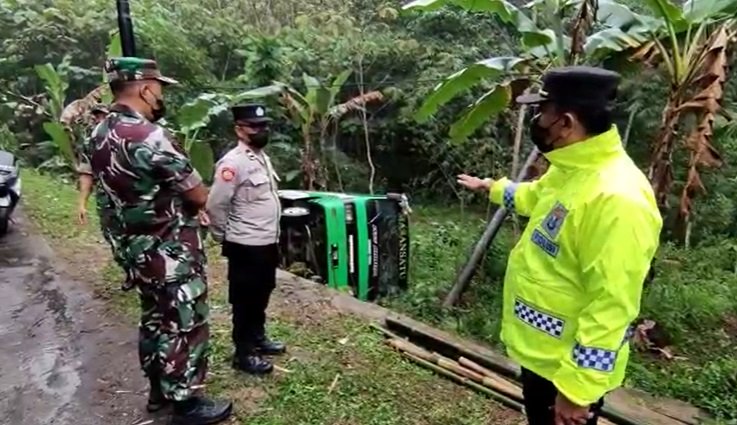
column 157, row 407
column 254, row 372
column 272, row 353
column 212, row 421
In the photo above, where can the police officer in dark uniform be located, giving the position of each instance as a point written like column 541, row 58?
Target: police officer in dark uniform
column 244, row 211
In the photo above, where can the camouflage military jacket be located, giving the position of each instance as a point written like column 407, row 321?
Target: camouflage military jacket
column 104, row 204
column 144, row 173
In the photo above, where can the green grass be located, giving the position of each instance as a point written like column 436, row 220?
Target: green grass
column 375, row 386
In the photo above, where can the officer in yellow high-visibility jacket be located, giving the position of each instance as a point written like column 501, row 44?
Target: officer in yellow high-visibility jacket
column 574, row 280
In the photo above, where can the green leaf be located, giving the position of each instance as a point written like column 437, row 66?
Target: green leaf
column 61, row 139
column 312, row 85
column 338, row 84
column 197, row 113
column 697, row 11
column 533, row 39
column 463, row 80
column 322, row 101
column 49, row 75
column 485, row 108
column 115, row 47
column 272, row 90
column 616, row 15
column 504, row 10
column 614, row 40
column 203, row 160
column 301, row 104
column 666, row 10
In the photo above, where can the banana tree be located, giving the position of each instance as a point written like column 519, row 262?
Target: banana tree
column 564, row 43
column 691, row 42
column 56, row 84
column 195, row 115
column 313, row 112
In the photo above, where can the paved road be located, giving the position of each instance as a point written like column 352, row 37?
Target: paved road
column 63, row 358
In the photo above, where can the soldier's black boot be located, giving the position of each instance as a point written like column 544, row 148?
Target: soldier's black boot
column 201, row 411
column 270, row 348
column 251, row 362
column 156, row 399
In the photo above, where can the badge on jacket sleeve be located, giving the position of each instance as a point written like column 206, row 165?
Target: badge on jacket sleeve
column 227, row 174
column 554, row 220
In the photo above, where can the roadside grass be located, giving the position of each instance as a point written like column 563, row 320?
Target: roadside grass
column 338, row 370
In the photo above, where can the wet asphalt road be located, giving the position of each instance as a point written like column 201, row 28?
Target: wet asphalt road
column 58, row 363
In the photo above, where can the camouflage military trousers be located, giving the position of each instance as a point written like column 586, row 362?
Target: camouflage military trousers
column 174, row 333
column 174, row 337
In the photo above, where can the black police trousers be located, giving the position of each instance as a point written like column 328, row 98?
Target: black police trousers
column 540, row 394
column 251, row 279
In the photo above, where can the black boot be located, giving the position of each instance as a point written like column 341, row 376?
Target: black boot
column 156, row 399
column 201, row 411
column 253, row 363
column 270, row 348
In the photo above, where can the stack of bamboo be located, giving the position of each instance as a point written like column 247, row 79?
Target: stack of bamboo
column 463, row 371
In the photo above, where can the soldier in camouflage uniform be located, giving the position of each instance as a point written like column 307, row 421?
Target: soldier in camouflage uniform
column 86, row 181
column 156, row 197
column 103, row 203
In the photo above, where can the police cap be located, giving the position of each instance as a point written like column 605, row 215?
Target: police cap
column 252, row 113
column 575, row 85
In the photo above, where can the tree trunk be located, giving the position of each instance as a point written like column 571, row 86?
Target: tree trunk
column 660, row 172
column 308, row 162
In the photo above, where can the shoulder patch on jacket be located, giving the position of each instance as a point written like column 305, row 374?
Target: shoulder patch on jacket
column 227, row 173
column 554, row 220
column 550, row 247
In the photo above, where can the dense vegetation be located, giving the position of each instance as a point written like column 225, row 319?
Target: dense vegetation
column 52, row 51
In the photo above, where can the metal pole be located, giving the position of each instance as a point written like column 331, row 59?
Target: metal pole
column 464, row 277
column 125, row 26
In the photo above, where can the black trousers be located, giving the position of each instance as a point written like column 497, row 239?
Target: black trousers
column 540, row 397
column 251, row 279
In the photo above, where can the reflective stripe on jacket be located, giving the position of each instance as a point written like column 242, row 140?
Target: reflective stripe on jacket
column 574, row 280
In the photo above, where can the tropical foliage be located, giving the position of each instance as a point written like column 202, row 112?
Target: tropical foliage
column 373, row 97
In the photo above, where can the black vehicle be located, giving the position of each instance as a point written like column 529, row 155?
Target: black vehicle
column 9, row 188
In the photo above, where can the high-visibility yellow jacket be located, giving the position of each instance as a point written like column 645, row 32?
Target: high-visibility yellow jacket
column 574, row 281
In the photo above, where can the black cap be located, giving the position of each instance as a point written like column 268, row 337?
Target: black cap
column 575, row 85
column 250, row 113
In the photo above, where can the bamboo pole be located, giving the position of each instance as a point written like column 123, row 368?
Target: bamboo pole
column 492, row 379
column 492, row 228
column 465, row 381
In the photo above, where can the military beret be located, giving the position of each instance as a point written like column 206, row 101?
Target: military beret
column 575, row 85
column 250, row 113
column 135, row 69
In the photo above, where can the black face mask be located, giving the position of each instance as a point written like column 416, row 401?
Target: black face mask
column 157, row 111
column 539, row 134
column 259, row 140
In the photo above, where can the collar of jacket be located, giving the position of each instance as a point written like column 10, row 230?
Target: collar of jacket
column 260, row 155
column 589, row 153
column 126, row 110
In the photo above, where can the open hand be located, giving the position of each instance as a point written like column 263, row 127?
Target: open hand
column 82, row 215
column 567, row 413
column 474, row 183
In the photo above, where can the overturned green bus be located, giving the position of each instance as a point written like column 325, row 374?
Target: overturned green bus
column 358, row 243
